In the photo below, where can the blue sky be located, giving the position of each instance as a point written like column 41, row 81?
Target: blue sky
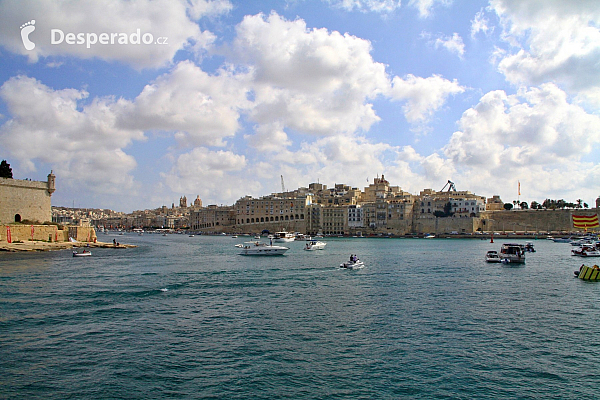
column 484, row 93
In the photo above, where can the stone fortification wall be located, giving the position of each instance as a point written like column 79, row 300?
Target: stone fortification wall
column 83, row 233
column 23, row 233
column 446, row 225
column 30, row 200
column 532, row 220
column 48, row 233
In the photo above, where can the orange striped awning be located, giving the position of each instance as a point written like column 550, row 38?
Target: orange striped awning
column 585, row 221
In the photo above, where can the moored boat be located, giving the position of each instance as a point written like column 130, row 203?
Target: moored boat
column 284, row 236
column 511, row 253
column 492, row 257
column 529, row 247
column 585, row 251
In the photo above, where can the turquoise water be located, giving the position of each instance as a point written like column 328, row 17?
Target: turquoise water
column 186, row 317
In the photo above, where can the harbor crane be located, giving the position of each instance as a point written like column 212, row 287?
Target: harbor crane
column 451, row 187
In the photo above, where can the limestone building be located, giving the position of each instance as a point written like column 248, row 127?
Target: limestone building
column 22, row 199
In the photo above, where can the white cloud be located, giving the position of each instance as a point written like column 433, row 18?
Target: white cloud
column 425, row 6
column 480, row 24
column 83, row 144
column 160, row 18
column 423, row 96
column 556, row 41
column 310, row 80
column 202, row 109
column 453, row 44
column 534, row 136
column 211, row 174
column 379, row 6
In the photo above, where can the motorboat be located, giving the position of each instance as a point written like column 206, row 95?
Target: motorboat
column 588, row 273
column 84, row 253
column 284, row 236
column 529, row 247
column 585, row 251
column 511, row 253
column 315, row 245
column 492, row 256
column 354, row 263
column 566, row 239
column 429, row 236
column 260, row 249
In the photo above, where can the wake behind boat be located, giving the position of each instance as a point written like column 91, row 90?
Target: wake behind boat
column 261, row 249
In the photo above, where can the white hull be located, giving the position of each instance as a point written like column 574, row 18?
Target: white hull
column 283, row 240
column 261, row 249
column 310, row 246
column 352, row 265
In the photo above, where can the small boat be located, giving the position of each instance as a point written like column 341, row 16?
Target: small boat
column 511, row 253
column 315, row 245
column 257, row 237
column 284, row 236
column 492, row 257
column 234, row 237
column 429, row 236
column 585, row 251
column 529, row 247
column 565, row 239
column 191, row 235
column 354, row 263
column 84, row 253
column 588, row 273
column 261, row 249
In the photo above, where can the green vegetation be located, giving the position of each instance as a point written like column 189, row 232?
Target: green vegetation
column 5, row 170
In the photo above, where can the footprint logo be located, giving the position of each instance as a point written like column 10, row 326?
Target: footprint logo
column 26, row 29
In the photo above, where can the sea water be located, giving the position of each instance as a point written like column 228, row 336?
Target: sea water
column 186, row 317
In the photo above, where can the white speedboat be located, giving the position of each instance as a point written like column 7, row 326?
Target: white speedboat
column 261, row 249
column 284, row 236
column 492, row 257
column 585, row 251
column 315, row 245
column 354, row 263
column 84, row 253
column 357, row 264
column 511, row 253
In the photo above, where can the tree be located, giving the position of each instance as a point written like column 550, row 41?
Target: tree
column 535, row 205
column 523, row 205
column 5, row 170
column 508, row 206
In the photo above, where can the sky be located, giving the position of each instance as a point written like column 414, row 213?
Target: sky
column 133, row 104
